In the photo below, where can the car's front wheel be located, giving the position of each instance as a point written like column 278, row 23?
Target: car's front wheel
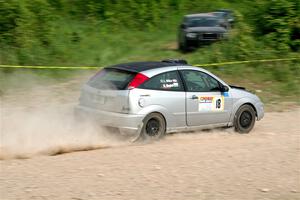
column 154, row 127
column 244, row 119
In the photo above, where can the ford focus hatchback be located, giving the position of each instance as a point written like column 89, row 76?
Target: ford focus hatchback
column 150, row 99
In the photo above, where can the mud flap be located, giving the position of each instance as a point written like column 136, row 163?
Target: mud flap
column 138, row 132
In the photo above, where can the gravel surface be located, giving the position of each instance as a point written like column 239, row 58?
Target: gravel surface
column 205, row 165
column 218, row 164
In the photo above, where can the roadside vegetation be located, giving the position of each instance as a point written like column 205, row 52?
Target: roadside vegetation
column 100, row 33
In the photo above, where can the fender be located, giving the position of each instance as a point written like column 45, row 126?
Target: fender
column 238, row 104
column 170, row 120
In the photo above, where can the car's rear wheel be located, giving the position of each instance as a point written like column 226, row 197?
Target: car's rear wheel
column 154, row 127
column 244, row 119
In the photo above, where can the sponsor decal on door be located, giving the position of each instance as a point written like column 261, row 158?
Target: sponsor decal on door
column 211, row 103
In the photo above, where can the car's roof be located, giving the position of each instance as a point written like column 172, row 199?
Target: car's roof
column 143, row 66
column 224, row 10
column 152, row 68
column 218, row 12
column 200, row 15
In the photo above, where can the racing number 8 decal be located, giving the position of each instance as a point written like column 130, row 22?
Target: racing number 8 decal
column 218, row 104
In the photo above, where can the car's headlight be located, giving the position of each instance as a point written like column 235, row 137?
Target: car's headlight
column 191, row 35
column 225, row 35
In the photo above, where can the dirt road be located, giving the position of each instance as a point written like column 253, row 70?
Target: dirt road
column 205, row 165
column 214, row 165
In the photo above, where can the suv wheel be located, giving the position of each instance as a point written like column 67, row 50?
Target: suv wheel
column 154, row 127
column 183, row 46
column 244, row 119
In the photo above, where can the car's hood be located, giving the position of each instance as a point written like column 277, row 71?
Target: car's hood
column 207, row 29
column 241, row 92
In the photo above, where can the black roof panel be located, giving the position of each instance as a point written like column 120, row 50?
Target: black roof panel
column 143, row 66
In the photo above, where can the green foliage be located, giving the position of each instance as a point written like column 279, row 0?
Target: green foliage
column 53, row 31
column 100, row 33
column 28, row 27
column 278, row 22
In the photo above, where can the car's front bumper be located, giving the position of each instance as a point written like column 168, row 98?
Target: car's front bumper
column 205, row 37
column 110, row 119
column 259, row 110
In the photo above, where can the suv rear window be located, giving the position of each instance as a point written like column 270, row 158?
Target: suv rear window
column 111, row 79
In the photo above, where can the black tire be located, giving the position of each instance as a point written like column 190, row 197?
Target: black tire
column 154, row 127
column 183, row 46
column 244, row 119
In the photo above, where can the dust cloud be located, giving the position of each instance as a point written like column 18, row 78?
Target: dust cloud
column 49, row 131
column 38, row 119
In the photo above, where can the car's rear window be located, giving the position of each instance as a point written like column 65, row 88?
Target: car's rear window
column 111, row 79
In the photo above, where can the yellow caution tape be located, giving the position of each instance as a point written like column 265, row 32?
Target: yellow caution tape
column 197, row 65
column 46, row 67
column 245, row 61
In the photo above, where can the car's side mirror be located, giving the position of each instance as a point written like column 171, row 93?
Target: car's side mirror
column 224, row 88
column 183, row 26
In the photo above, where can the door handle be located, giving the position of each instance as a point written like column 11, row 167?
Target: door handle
column 194, row 97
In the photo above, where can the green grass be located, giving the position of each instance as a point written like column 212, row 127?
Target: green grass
column 94, row 44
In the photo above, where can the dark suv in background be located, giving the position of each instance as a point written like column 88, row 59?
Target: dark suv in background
column 226, row 16
column 201, row 28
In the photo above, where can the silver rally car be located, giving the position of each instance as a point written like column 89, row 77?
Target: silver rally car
column 150, row 99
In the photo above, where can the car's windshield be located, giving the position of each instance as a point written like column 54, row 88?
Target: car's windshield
column 202, row 21
column 111, row 79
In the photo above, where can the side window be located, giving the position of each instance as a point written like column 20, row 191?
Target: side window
column 169, row 81
column 197, row 81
